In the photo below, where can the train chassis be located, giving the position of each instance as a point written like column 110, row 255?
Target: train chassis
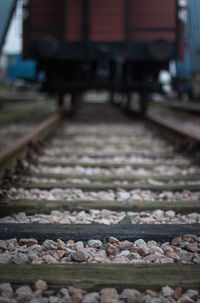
column 115, row 76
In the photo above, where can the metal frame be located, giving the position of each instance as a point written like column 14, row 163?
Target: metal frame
column 85, row 20
column 29, row 27
column 64, row 25
column 127, row 20
column 177, row 31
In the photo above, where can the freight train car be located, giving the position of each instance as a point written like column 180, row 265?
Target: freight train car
column 119, row 45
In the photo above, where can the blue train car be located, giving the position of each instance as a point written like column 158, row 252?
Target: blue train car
column 20, row 69
column 188, row 70
column 193, row 34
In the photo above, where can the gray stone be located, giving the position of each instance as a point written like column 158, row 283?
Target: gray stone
column 6, row 290
column 126, row 220
column 20, row 258
column 24, row 294
column 139, row 242
column 193, row 247
column 76, row 246
column 126, row 245
column 167, row 291
column 53, row 299
column 153, row 300
column 111, row 249
column 91, row 298
column 184, row 255
column 7, row 300
column 3, row 245
column 166, row 247
column 61, row 245
column 11, row 244
column 49, row 259
column 124, row 253
column 155, row 248
column 95, row 243
column 65, row 300
column 49, row 244
column 196, row 260
column 28, row 242
column 78, row 256
column 32, row 256
column 33, row 301
column 166, row 260
column 129, row 295
column 64, row 292
column 43, row 300
column 5, row 258
column 190, row 238
column 142, row 250
column 40, row 285
column 151, row 258
column 133, row 256
column 193, row 294
column 185, row 299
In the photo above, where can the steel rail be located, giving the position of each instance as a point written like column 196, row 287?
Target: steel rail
column 186, row 134
column 19, row 148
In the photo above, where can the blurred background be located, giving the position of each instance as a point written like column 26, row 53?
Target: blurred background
column 183, row 75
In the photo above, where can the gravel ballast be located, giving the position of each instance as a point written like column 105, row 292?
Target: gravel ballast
column 24, row 251
column 124, row 170
column 110, row 195
column 105, row 216
column 41, row 293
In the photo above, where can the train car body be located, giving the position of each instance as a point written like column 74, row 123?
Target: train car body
column 20, row 69
column 7, row 8
column 188, row 69
column 112, row 44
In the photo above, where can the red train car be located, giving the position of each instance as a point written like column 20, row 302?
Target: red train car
column 114, row 44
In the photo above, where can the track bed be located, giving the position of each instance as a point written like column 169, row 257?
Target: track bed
column 105, row 203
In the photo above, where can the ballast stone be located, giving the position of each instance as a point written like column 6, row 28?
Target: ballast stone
column 95, row 243
column 6, row 290
column 78, row 256
column 91, row 298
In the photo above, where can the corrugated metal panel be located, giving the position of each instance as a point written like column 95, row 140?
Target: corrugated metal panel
column 193, row 33
column 74, row 20
column 155, row 14
column 46, row 13
column 107, row 20
column 46, row 18
column 63, row 19
column 6, row 10
column 191, row 60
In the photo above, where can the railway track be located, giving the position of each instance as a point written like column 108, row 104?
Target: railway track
column 191, row 107
column 107, row 205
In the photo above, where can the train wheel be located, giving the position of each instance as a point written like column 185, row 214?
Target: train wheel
column 143, row 103
column 68, row 105
column 136, row 103
column 127, row 103
column 75, row 104
column 60, row 103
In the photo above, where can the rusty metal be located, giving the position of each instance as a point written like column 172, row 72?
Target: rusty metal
column 19, row 149
column 184, row 140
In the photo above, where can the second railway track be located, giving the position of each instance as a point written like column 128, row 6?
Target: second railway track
column 106, row 204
